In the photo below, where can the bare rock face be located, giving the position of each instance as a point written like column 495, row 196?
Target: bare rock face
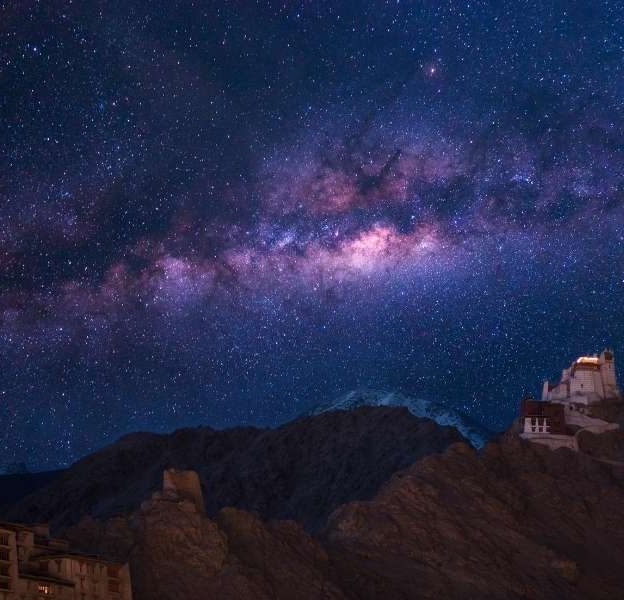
column 279, row 556
column 302, row 470
column 611, row 410
column 181, row 552
column 520, row 521
column 608, row 446
column 176, row 552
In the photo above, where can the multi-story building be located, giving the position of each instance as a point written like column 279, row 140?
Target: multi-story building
column 588, row 380
column 35, row 566
column 566, row 407
column 544, row 423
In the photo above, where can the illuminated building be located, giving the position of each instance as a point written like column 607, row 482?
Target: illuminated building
column 35, row 566
column 566, row 407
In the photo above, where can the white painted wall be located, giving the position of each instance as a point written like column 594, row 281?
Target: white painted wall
column 553, row 441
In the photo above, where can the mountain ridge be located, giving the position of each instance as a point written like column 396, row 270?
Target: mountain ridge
column 513, row 521
column 475, row 433
column 301, row 470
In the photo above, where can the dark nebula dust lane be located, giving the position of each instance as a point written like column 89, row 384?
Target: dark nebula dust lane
column 226, row 213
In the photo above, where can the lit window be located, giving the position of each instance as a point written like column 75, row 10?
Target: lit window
column 43, row 588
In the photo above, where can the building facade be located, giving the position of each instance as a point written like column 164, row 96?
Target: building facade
column 566, row 407
column 545, row 423
column 588, row 380
column 35, row 566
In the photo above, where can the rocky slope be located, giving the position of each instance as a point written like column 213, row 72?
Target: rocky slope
column 177, row 554
column 441, row 414
column 517, row 521
column 302, row 470
column 514, row 521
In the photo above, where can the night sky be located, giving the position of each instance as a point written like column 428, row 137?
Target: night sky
column 226, row 213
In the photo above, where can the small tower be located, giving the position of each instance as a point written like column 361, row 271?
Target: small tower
column 545, row 390
column 185, row 485
column 607, row 373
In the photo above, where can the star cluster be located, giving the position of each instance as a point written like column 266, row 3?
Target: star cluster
column 226, row 212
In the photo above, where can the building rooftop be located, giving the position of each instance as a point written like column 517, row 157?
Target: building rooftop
column 587, row 360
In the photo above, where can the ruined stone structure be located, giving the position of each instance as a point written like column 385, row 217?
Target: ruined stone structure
column 566, row 407
column 181, row 487
column 184, row 484
column 34, row 566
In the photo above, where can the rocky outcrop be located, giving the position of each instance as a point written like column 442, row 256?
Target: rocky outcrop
column 606, row 447
column 519, row 521
column 302, row 470
column 177, row 553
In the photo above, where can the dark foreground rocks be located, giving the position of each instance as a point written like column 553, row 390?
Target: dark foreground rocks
column 175, row 553
column 518, row 521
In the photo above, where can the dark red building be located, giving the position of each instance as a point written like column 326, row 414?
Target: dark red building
column 548, row 413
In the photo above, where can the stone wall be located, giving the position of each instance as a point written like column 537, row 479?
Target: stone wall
column 184, row 484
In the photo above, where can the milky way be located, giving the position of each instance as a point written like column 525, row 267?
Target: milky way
column 219, row 213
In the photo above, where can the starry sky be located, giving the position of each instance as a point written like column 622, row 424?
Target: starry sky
column 226, row 213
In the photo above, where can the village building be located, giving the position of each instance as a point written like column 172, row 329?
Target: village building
column 566, row 407
column 35, row 566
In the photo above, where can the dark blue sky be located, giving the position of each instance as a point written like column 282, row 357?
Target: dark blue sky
column 226, row 213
